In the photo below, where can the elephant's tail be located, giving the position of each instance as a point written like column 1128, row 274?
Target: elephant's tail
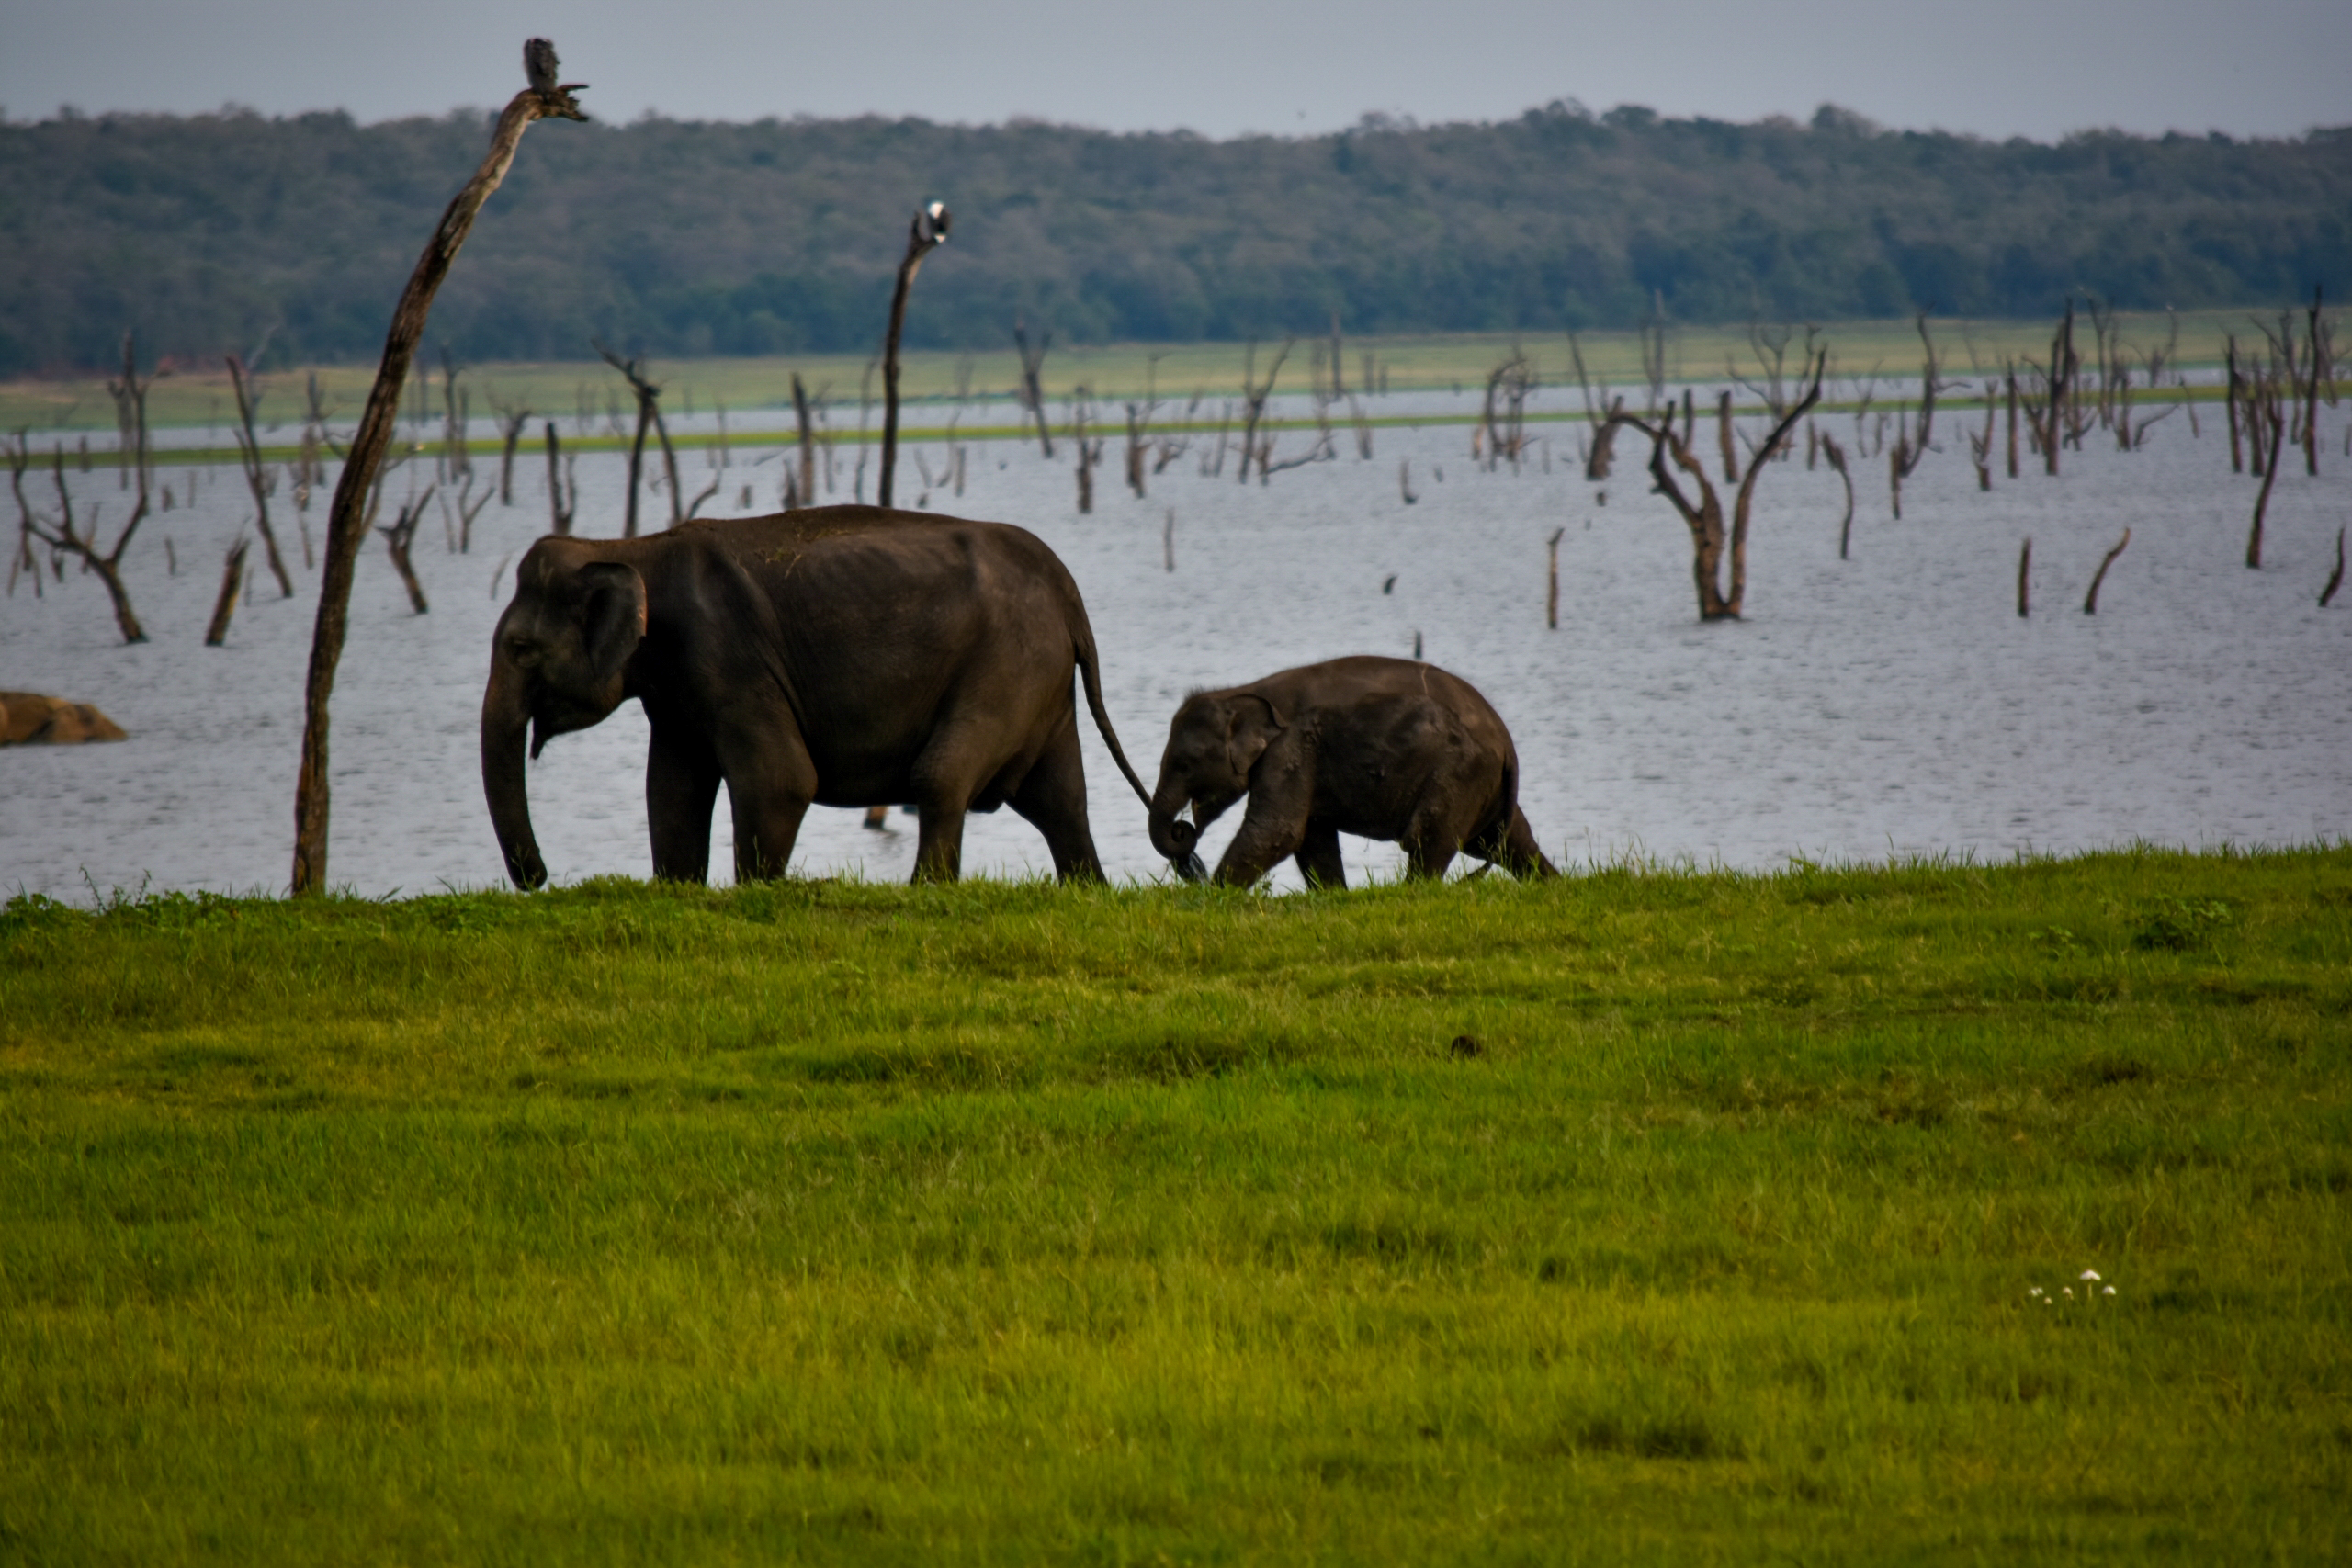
column 1088, row 676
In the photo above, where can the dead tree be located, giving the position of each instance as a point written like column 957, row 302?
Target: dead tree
column 257, row 479
column 2236, row 385
column 1653, row 334
column 1709, row 539
column 1090, row 450
column 1979, row 447
column 1033, row 390
column 1254, row 394
column 2025, row 574
column 1724, row 440
column 1504, row 416
column 1405, row 481
column 2010, row 378
column 468, row 508
column 1911, row 447
column 456, row 461
column 1600, row 413
column 807, row 494
column 2316, row 353
column 347, row 526
column 398, row 538
column 65, row 536
column 512, row 420
column 649, row 417
column 562, row 499
column 1551, row 579
column 2269, row 413
column 2090, row 600
column 925, row 233
column 2062, row 365
column 21, row 559
column 233, row 577
column 2335, row 577
column 1836, row 456
column 1168, row 545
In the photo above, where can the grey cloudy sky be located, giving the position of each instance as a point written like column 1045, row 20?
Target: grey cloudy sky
column 1994, row 68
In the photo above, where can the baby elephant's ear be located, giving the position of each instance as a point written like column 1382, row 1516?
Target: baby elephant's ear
column 613, row 616
column 1251, row 722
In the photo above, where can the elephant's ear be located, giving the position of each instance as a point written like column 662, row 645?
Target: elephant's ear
column 612, row 620
column 1251, row 723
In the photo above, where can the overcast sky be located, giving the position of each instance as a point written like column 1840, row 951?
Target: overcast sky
column 1997, row 68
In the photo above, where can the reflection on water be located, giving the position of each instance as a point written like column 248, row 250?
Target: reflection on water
column 1890, row 705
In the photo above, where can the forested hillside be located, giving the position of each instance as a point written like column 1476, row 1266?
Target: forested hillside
column 688, row 239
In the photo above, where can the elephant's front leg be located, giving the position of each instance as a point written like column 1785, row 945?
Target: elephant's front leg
column 1273, row 829
column 769, row 786
column 681, row 786
column 1318, row 858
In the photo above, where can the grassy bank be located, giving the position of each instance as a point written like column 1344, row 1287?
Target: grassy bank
column 199, row 394
column 1644, row 1214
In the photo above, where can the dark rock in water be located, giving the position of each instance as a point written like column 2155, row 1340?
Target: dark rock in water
column 28, row 719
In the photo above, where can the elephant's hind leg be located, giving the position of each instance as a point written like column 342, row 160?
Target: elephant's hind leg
column 1052, row 799
column 1318, row 858
column 680, row 788
column 1512, row 845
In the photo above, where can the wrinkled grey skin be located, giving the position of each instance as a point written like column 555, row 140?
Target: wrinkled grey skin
column 841, row 656
column 1388, row 749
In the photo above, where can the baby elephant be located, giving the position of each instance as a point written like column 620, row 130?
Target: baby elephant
column 1379, row 748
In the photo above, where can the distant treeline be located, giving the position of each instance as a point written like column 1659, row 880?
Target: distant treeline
column 679, row 238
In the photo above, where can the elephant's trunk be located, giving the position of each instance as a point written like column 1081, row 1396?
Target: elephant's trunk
column 1172, row 836
column 506, row 724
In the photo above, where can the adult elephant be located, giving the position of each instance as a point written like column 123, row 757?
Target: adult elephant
column 839, row 655
column 1380, row 747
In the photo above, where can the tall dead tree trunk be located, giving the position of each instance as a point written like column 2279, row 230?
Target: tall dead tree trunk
column 1254, row 394
column 131, row 402
column 2090, row 600
column 563, row 498
column 648, row 419
column 256, row 476
column 398, row 539
column 2335, row 577
column 233, row 577
column 808, row 491
column 925, row 233
column 1724, row 439
column 1836, row 456
column 2062, row 378
column 1033, row 388
column 1710, row 540
column 1551, row 579
column 2268, row 411
column 347, row 526
column 2025, row 577
column 2011, row 378
column 2315, row 351
column 2235, row 392
column 512, row 420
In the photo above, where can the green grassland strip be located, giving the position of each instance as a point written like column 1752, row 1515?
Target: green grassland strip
column 197, row 393
column 1962, row 409
column 825, row 1220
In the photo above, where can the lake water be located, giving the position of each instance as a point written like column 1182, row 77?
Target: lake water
column 1891, row 704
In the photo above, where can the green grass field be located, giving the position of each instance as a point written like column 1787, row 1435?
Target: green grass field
column 198, row 393
column 827, row 1222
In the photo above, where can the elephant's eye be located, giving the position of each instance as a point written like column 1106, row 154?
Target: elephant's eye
column 523, row 651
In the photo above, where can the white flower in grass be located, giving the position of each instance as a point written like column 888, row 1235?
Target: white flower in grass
column 2035, row 1291
column 2068, row 1291
column 2109, row 1291
column 2090, row 1274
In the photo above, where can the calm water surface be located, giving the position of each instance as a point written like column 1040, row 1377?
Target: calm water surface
column 1891, row 704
